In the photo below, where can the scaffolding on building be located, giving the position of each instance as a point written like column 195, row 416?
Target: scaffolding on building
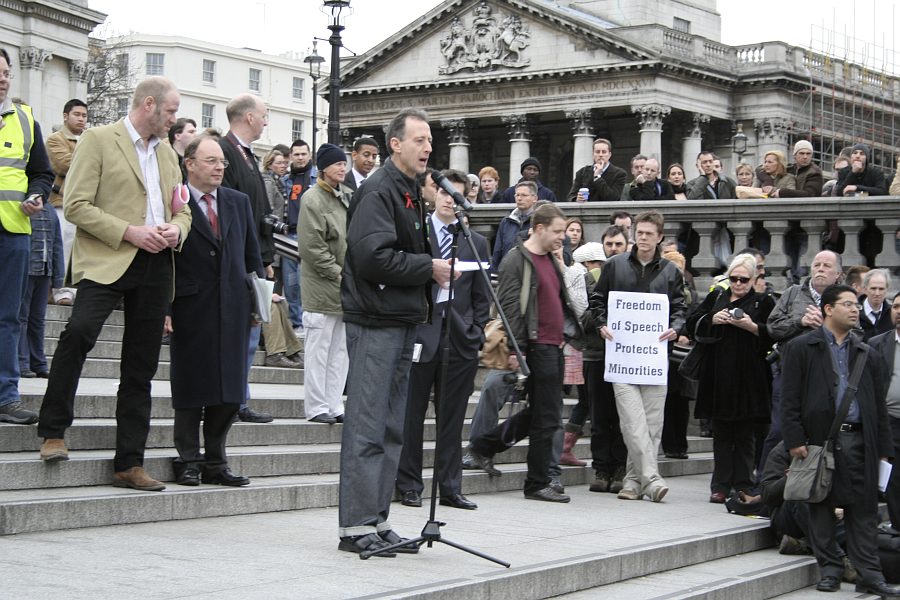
column 853, row 96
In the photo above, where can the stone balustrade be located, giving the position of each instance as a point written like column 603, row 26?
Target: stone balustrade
column 742, row 217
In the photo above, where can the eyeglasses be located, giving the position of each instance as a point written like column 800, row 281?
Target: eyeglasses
column 736, row 279
column 212, row 162
column 850, row 304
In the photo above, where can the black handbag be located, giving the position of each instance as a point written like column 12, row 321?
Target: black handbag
column 809, row 479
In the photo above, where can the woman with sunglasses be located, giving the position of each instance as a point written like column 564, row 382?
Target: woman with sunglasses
column 734, row 387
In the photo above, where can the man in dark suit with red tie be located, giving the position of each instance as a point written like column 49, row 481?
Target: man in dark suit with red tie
column 469, row 314
column 210, row 318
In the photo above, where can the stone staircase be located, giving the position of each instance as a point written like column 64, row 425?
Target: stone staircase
column 293, row 465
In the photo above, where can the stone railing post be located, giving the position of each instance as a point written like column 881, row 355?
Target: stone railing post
column 776, row 260
column 851, row 255
column 741, row 231
column 888, row 257
column 705, row 261
column 813, row 229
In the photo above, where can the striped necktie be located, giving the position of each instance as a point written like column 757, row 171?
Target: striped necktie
column 446, row 243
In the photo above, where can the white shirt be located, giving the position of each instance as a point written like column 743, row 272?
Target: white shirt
column 870, row 313
column 358, row 177
column 156, row 211
column 439, row 228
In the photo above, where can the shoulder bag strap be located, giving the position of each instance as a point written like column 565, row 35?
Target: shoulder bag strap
column 850, row 392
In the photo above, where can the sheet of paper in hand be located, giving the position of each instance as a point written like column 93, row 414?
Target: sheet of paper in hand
column 635, row 354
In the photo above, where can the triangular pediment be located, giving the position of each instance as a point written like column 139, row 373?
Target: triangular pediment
column 468, row 41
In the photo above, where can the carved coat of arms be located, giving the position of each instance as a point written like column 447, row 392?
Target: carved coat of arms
column 485, row 45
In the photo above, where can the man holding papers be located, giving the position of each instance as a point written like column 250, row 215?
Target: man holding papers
column 466, row 321
column 640, row 404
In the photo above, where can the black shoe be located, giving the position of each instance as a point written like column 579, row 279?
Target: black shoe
column 485, row 463
column 250, row 416
column 392, row 538
column 681, row 455
column 556, row 485
column 547, row 494
column 187, row 476
column 323, row 418
column 458, row 501
column 27, row 374
column 225, row 477
column 43, row 374
column 365, row 543
column 411, row 498
column 830, row 583
column 339, row 419
column 882, row 588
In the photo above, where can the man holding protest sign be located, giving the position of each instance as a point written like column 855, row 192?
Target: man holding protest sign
column 637, row 327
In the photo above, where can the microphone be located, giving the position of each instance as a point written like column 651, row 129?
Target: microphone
column 445, row 185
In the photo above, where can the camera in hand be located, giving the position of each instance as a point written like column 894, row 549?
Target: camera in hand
column 736, row 313
column 276, row 225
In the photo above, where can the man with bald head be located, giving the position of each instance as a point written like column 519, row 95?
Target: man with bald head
column 798, row 311
column 648, row 186
column 119, row 196
column 247, row 117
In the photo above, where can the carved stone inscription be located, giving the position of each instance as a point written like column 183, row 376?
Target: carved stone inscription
column 485, row 45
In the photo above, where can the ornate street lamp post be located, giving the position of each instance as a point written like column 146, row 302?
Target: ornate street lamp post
column 334, row 8
column 315, row 72
column 739, row 142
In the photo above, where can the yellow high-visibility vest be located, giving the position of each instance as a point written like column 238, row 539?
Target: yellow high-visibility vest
column 16, row 139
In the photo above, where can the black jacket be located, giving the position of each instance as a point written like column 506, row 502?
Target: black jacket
column 607, row 188
column 884, row 323
column 624, row 273
column 387, row 270
column 508, row 196
column 658, row 189
column 871, row 180
column 808, row 391
column 243, row 175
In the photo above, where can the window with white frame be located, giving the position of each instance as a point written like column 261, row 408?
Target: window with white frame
column 682, row 25
column 298, row 88
column 207, row 115
column 296, row 129
column 156, row 63
column 121, row 107
column 209, row 71
column 255, row 77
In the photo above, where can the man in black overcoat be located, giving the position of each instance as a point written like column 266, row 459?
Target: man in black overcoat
column 211, row 318
column 816, row 370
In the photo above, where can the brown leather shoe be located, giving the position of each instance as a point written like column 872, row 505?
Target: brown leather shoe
column 137, row 478
column 53, row 450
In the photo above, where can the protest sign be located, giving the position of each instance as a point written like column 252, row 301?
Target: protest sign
column 635, row 354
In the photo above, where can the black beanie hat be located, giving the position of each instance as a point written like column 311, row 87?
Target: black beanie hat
column 530, row 161
column 327, row 155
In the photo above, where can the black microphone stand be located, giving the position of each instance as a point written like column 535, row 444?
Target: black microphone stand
column 432, row 531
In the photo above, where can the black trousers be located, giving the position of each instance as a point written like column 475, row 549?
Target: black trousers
column 217, row 422
column 539, row 421
column 893, row 490
column 146, row 287
column 860, row 523
column 608, row 450
column 675, row 416
column 451, row 413
column 733, row 452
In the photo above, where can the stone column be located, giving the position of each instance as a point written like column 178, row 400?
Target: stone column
column 582, row 126
column 741, row 231
column 813, row 229
column 692, row 144
column 888, row 257
column 31, row 60
column 851, row 254
column 705, row 261
column 776, row 260
column 771, row 134
column 459, row 143
column 80, row 73
column 651, row 118
column 519, row 143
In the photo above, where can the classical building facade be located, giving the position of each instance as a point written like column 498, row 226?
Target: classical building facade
column 48, row 43
column 209, row 75
column 507, row 79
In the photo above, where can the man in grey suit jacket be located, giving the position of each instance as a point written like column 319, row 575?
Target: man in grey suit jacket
column 887, row 349
column 467, row 318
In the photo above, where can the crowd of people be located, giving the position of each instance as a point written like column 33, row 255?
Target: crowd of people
column 176, row 226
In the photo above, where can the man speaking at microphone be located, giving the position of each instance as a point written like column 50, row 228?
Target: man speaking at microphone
column 469, row 313
column 385, row 294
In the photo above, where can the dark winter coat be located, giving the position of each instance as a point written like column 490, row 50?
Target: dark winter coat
column 387, row 268
column 606, row 188
column 212, row 306
column 809, row 387
column 508, row 196
column 809, row 182
column 243, row 175
column 734, row 380
column 871, row 180
column 511, row 228
column 658, row 189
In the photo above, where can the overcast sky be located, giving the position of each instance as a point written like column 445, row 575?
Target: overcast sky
column 277, row 26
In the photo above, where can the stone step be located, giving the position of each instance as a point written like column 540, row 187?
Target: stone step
column 62, row 313
column 554, row 550
column 108, row 368
column 24, row 470
column 113, row 350
column 846, row 592
column 753, row 576
column 54, row 508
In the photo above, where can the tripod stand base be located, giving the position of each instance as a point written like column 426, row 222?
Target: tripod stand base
column 432, row 533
